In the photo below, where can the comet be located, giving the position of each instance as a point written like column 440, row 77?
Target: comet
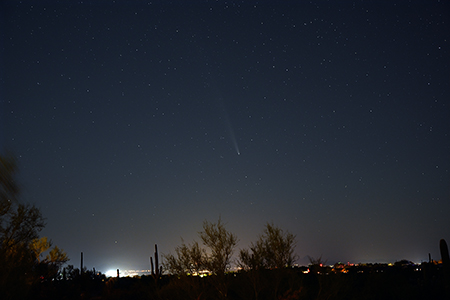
column 230, row 130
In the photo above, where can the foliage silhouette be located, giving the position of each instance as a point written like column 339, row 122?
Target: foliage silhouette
column 274, row 249
column 20, row 248
column 221, row 243
column 190, row 259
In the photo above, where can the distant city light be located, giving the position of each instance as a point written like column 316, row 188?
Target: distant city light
column 111, row 273
column 127, row 273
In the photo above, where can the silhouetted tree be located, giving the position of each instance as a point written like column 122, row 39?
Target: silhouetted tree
column 39, row 246
column 51, row 264
column 192, row 258
column 57, row 257
column 189, row 259
column 316, row 261
column 252, row 258
column 221, row 243
column 20, row 248
column 274, row 249
column 19, row 225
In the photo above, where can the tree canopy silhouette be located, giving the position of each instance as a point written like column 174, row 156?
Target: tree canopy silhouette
column 192, row 258
column 20, row 246
column 274, row 249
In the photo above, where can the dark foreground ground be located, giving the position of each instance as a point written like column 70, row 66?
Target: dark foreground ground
column 427, row 281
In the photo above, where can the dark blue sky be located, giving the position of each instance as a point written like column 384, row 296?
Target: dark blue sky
column 133, row 122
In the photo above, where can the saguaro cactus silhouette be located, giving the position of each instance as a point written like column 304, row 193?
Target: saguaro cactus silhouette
column 156, row 269
column 444, row 255
column 157, row 273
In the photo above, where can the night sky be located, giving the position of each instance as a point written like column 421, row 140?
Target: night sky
column 133, row 122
